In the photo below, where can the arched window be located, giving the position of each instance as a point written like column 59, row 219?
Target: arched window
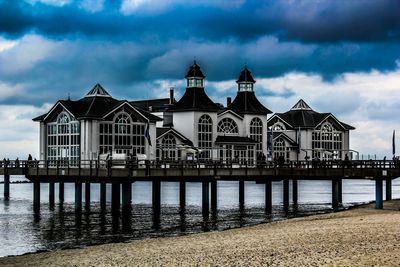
column 279, row 148
column 205, row 136
column 256, row 133
column 168, row 147
column 278, row 127
column 227, row 126
column 122, row 132
column 328, row 139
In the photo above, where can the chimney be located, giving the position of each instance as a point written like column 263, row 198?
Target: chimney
column 171, row 95
column 228, row 101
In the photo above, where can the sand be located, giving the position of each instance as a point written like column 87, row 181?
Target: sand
column 358, row 237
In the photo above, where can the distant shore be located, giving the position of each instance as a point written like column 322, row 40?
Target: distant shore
column 355, row 237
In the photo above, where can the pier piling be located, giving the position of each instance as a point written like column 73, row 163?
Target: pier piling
column 61, row 192
column 295, row 192
column 241, row 193
column 214, row 195
column 126, row 195
column 103, row 196
column 378, row 194
column 87, row 195
column 286, row 194
column 388, row 189
column 340, row 188
column 335, row 193
column 268, row 196
column 182, row 194
column 205, row 199
column 51, row 194
column 115, row 197
column 156, row 197
column 6, row 186
column 36, row 196
column 78, row 196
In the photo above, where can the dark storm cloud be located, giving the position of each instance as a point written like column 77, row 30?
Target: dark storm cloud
column 307, row 21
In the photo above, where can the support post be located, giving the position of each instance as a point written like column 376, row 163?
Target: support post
column 340, row 188
column 61, row 192
column 126, row 198
column 51, row 194
column 6, row 186
column 78, row 196
column 36, row 196
column 241, row 193
column 205, row 199
column 115, row 197
column 214, row 195
column 295, row 192
column 378, row 194
column 103, row 196
column 268, row 196
column 286, row 194
column 156, row 197
column 87, row 195
column 335, row 193
column 388, row 189
column 182, row 194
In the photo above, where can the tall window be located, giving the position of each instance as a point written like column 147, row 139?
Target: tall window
column 227, row 126
column 256, row 133
column 329, row 139
column 106, row 136
column 279, row 148
column 63, row 139
column 122, row 130
column 168, row 147
column 205, row 136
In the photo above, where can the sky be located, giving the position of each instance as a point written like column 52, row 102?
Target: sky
column 339, row 56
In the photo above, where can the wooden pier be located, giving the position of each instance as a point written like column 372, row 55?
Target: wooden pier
column 207, row 172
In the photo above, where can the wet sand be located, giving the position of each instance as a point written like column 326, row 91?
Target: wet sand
column 357, row 237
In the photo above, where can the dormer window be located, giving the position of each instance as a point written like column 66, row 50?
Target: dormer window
column 195, row 82
column 245, row 87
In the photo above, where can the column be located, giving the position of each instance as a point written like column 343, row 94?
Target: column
column 286, row 194
column 61, row 192
column 6, row 186
column 378, row 194
column 115, row 197
column 388, row 189
column 182, row 194
column 156, row 197
column 268, row 196
column 205, row 198
column 214, row 195
column 78, row 196
column 103, row 196
column 36, row 196
column 335, row 193
column 126, row 195
column 241, row 193
column 340, row 188
column 295, row 191
column 87, row 195
column 51, row 194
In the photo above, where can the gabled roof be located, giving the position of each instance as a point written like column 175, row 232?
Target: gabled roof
column 301, row 115
column 162, row 131
column 224, row 111
column 247, row 103
column 276, row 135
column 246, row 76
column 195, row 71
column 152, row 105
column 98, row 90
column 195, row 99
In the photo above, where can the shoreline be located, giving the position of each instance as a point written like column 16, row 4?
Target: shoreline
column 375, row 234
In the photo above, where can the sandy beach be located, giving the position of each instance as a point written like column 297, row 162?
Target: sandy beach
column 357, row 237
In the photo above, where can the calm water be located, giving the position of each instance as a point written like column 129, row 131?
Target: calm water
column 21, row 231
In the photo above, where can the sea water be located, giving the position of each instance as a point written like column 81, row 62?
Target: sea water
column 23, row 231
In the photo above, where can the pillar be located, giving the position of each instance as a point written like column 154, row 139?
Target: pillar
column 61, row 192
column 36, row 196
column 340, row 188
column 214, row 195
column 378, row 194
column 87, row 195
column 286, row 194
column 78, row 196
column 268, row 196
column 182, row 194
column 103, row 196
column 115, row 197
column 241, row 193
column 51, row 194
column 295, row 191
column 6, row 186
column 156, row 197
column 335, row 193
column 205, row 199
column 388, row 189
column 126, row 195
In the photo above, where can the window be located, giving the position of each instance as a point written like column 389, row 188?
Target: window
column 278, row 127
column 279, row 148
column 106, row 136
column 195, row 82
column 63, row 139
column 122, row 130
column 205, row 136
column 245, row 87
column 227, row 126
column 327, row 139
column 168, row 148
column 256, row 133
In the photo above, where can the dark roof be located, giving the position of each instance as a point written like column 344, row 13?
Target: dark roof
column 246, row 76
column 301, row 115
column 224, row 139
column 95, row 107
column 152, row 105
column 195, row 71
column 247, row 103
column 163, row 130
column 98, row 90
column 195, row 99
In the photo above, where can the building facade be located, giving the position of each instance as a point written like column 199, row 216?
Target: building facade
column 192, row 128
